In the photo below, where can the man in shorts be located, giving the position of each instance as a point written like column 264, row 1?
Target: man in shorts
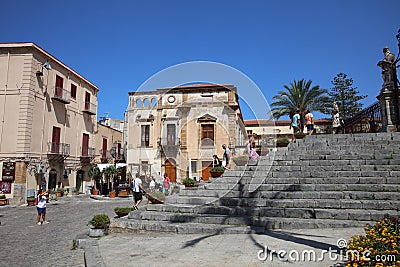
column 137, row 192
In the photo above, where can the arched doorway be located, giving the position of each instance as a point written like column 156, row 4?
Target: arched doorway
column 79, row 180
column 52, row 179
column 170, row 170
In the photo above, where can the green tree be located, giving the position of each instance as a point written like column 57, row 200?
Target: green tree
column 346, row 96
column 300, row 95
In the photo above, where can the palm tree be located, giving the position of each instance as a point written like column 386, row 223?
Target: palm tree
column 300, row 95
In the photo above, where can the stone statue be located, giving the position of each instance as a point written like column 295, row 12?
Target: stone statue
column 388, row 69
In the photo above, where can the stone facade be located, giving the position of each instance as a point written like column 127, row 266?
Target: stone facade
column 48, row 120
column 178, row 130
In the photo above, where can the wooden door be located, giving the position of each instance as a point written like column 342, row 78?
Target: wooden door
column 170, row 170
column 205, row 170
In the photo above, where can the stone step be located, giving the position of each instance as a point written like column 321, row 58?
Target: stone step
column 222, row 214
column 206, row 226
column 325, row 200
column 383, row 195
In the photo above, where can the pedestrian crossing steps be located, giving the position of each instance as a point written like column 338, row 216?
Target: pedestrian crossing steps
column 322, row 181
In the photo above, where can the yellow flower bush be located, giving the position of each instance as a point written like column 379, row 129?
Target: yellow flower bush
column 382, row 240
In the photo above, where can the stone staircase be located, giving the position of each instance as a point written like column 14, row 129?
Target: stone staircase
column 323, row 181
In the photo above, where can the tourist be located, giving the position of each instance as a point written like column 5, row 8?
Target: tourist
column 335, row 122
column 166, row 185
column 41, row 206
column 309, row 122
column 152, row 187
column 295, row 124
column 137, row 192
column 251, row 149
column 216, row 161
column 226, row 158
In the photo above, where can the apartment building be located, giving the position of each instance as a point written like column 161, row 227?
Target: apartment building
column 47, row 122
column 178, row 130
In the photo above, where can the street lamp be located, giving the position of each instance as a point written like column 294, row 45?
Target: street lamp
column 45, row 65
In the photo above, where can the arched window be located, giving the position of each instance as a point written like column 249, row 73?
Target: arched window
column 146, row 103
column 138, row 103
column 154, row 102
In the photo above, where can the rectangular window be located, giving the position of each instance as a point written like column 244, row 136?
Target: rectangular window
column 73, row 91
column 193, row 165
column 145, row 138
column 55, row 140
column 59, row 86
column 207, row 134
column 171, row 134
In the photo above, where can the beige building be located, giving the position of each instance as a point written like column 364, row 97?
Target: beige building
column 178, row 130
column 47, row 122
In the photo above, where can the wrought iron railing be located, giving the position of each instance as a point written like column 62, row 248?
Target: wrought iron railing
column 366, row 121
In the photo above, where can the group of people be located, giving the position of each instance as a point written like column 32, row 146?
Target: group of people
column 296, row 124
column 138, row 190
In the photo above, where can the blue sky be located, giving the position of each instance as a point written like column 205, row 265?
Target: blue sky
column 118, row 45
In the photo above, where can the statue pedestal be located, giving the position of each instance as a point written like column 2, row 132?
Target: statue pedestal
column 390, row 103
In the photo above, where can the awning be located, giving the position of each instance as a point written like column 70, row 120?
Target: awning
column 120, row 165
column 103, row 166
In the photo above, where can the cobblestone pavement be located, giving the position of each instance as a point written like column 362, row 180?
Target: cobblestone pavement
column 24, row 243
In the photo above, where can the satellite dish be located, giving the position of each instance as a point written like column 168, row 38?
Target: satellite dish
column 47, row 65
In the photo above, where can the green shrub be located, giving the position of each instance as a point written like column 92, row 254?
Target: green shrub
column 217, row 169
column 30, row 199
column 100, row 221
column 119, row 209
column 189, row 182
column 2, row 196
column 283, row 140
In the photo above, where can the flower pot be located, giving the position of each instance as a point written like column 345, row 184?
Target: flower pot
column 60, row 193
column 216, row 174
column 154, row 200
column 121, row 214
column 31, row 202
column 240, row 162
column 95, row 191
column 282, row 144
column 123, row 193
column 3, row 202
column 113, row 194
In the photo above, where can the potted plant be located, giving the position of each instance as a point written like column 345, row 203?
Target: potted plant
column 156, row 197
column 60, row 192
column 109, row 173
column 217, row 171
column 122, row 211
column 100, row 224
column 300, row 135
column 31, row 201
column 241, row 160
column 282, row 142
column 3, row 200
column 94, row 173
column 113, row 194
column 189, row 182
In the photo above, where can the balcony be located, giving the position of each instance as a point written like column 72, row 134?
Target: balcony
column 61, row 95
column 88, row 152
column 90, row 108
column 105, row 155
column 58, row 149
column 169, row 147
